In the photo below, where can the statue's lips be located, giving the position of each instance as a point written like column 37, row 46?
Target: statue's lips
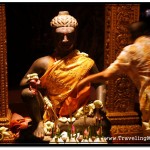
column 66, row 45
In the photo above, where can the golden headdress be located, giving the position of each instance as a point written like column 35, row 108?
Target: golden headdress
column 63, row 20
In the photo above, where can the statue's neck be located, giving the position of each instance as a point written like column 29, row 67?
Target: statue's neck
column 60, row 54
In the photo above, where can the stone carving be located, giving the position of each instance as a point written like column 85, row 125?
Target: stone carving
column 120, row 95
column 5, row 113
column 3, row 68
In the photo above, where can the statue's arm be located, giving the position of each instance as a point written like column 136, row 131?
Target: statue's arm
column 99, row 87
column 39, row 66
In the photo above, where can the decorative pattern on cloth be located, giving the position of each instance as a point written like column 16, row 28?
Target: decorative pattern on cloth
column 62, row 77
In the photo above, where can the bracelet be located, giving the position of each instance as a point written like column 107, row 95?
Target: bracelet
column 32, row 76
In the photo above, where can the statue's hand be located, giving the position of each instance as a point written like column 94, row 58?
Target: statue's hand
column 34, row 84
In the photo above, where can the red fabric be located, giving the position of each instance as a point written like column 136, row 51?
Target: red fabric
column 18, row 122
column 72, row 103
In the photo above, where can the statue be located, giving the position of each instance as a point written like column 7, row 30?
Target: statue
column 49, row 86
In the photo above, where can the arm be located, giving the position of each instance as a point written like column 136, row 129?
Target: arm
column 100, row 77
column 95, row 70
column 39, row 66
column 121, row 64
column 94, row 91
column 25, row 81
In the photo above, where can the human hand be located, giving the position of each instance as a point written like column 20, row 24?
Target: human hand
column 81, row 84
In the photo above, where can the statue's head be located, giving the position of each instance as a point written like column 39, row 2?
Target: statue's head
column 64, row 19
column 64, row 27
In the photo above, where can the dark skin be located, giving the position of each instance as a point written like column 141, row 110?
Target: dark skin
column 65, row 42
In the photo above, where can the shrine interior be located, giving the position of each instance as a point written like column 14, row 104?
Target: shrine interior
column 29, row 36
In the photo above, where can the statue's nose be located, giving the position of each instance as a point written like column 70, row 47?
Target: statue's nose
column 65, row 39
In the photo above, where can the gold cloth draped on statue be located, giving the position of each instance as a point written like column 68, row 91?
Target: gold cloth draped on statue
column 62, row 77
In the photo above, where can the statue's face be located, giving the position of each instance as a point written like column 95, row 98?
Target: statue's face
column 64, row 38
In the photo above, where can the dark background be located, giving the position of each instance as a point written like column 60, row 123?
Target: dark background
column 29, row 36
column 29, row 33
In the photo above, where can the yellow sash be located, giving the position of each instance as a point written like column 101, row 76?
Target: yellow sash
column 62, row 77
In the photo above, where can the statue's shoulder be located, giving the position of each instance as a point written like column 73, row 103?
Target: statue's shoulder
column 82, row 53
column 44, row 61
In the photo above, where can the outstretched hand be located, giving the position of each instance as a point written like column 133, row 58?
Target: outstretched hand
column 94, row 78
column 82, row 84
